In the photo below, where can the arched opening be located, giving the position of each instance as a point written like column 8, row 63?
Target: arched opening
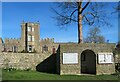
column 88, row 62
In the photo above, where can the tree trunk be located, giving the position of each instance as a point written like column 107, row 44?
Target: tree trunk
column 80, row 38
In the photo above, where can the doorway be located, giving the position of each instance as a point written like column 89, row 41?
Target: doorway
column 88, row 62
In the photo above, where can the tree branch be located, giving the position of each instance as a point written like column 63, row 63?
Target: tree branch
column 87, row 20
column 89, row 13
column 94, row 16
column 65, row 16
column 85, row 6
column 73, row 12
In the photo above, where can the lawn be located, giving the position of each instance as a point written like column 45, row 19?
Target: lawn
column 34, row 75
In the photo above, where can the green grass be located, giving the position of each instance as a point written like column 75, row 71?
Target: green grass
column 34, row 75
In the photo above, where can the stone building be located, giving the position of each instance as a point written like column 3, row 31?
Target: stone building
column 85, row 58
column 11, row 45
column 29, row 41
column 30, row 38
column 64, row 58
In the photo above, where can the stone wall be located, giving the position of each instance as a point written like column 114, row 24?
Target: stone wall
column 117, row 55
column 49, row 42
column 79, row 48
column 105, row 69
column 10, row 43
column 24, row 61
column 48, row 62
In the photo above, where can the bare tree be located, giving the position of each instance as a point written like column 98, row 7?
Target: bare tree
column 90, row 13
column 94, row 36
column 117, row 8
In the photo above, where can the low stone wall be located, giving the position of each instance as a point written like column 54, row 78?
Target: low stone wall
column 105, row 69
column 24, row 61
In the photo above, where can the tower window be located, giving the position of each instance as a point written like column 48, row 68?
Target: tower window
column 32, row 29
column 29, row 28
column 32, row 38
column 29, row 37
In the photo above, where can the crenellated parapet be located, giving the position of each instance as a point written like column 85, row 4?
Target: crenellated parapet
column 30, row 23
column 11, row 40
column 11, row 44
column 51, row 40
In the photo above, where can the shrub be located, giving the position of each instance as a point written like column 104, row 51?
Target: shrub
column 10, row 69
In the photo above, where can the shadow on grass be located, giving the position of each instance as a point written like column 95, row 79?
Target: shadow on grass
column 48, row 65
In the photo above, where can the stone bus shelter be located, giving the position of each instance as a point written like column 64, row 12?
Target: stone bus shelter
column 86, row 58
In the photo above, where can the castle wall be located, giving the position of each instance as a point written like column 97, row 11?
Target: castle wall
column 47, row 62
column 24, row 61
column 41, row 61
column 10, row 43
column 48, row 42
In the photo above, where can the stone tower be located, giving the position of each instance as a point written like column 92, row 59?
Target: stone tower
column 30, row 36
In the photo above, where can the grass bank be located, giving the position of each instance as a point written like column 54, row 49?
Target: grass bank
column 34, row 75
